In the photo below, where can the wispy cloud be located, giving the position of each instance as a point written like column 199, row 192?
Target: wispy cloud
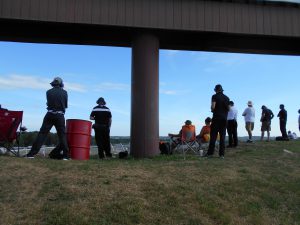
column 19, row 81
column 174, row 92
column 107, row 86
column 75, row 87
column 16, row 81
column 171, row 52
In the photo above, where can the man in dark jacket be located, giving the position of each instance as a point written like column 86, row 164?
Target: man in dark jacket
column 219, row 108
column 57, row 102
column 282, row 122
column 102, row 116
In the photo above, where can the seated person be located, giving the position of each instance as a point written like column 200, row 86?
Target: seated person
column 292, row 135
column 176, row 138
column 204, row 135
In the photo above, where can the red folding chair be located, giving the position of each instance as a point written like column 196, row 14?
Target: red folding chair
column 10, row 122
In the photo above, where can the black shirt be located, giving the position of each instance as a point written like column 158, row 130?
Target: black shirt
column 57, row 99
column 101, row 114
column 282, row 115
column 222, row 106
column 267, row 115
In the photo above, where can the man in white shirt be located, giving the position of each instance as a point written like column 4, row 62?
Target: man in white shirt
column 249, row 115
column 232, row 126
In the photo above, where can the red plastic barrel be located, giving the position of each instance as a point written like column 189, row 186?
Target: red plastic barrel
column 79, row 138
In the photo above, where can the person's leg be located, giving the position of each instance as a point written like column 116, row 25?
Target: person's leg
column 213, row 138
column 42, row 135
column 61, row 133
column 56, row 152
column 284, row 134
column 107, row 146
column 222, row 132
column 234, row 134
column 248, row 129
column 262, row 135
column 230, row 133
column 99, row 142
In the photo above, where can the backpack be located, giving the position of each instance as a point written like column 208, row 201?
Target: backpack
column 165, row 148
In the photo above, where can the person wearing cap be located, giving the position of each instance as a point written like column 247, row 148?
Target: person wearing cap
column 103, row 118
column 57, row 102
column 282, row 122
column 176, row 138
column 232, row 126
column 219, row 108
column 249, row 116
column 266, row 117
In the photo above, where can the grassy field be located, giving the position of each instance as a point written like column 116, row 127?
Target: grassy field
column 256, row 183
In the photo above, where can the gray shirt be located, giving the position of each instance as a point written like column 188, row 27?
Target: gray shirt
column 57, row 99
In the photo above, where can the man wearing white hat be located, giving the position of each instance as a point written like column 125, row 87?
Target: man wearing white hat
column 249, row 115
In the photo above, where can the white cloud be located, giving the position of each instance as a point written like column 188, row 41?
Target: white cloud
column 75, row 87
column 16, row 81
column 168, row 92
column 19, row 81
column 106, row 86
column 171, row 52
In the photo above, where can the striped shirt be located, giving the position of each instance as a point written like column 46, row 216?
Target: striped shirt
column 101, row 114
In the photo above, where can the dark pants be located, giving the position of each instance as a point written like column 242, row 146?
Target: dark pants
column 50, row 120
column 56, row 152
column 282, row 124
column 103, row 140
column 217, row 126
column 232, row 133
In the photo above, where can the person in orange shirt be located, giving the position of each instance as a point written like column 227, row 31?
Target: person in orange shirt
column 204, row 135
column 176, row 138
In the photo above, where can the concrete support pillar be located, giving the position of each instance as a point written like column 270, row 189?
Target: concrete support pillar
column 144, row 131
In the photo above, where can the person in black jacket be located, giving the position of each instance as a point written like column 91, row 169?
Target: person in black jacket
column 282, row 121
column 102, row 116
column 57, row 102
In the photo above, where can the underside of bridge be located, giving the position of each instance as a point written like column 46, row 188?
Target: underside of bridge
column 86, row 34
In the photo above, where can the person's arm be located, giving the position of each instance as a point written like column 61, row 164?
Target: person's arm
column 66, row 100
column 92, row 116
column 201, row 132
column 213, row 106
column 272, row 115
column 109, row 122
column 244, row 113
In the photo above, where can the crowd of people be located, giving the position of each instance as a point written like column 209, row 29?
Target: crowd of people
column 225, row 118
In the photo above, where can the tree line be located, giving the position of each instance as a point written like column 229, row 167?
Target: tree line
column 27, row 138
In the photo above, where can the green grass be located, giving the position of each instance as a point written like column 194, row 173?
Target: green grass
column 256, row 183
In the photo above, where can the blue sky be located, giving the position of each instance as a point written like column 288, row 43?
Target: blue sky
column 187, row 80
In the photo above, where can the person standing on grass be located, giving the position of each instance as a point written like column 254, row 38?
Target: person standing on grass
column 57, row 102
column 232, row 126
column 266, row 117
column 282, row 122
column 249, row 115
column 102, row 116
column 219, row 108
column 299, row 119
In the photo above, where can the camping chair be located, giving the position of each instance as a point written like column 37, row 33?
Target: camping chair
column 188, row 140
column 10, row 121
column 204, row 144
